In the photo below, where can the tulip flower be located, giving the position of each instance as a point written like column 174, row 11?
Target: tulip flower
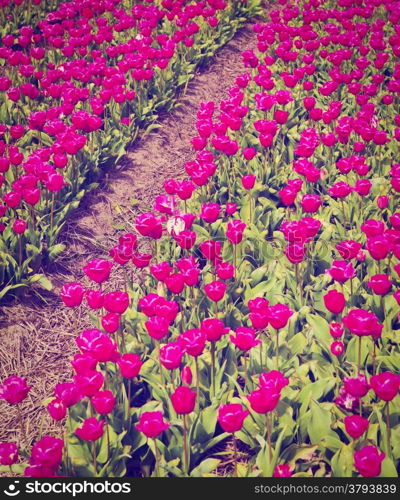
column 94, row 299
column 47, row 453
column 89, row 383
column 116, row 302
column 348, row 249
column 98, row 270
column 98, row 345
column 341, row 271
column 337, row 348
column 244, row 338
column 110, row 322
column 210, row 212
column 72, row 294
column 103, row 402
column 355, row 426
column 68, row 393
column 282, row 470
column 171, row 355
column 380, row 284
column 336, row 330
column 274, row 381
column 14, row 390
column 334, row 301
column 386, row 385
column 356, row 386
column 130, row 365
column 57, row 410
column 215, row 290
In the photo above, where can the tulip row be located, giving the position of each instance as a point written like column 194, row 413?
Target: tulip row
column 266, row 314
column 76, row 89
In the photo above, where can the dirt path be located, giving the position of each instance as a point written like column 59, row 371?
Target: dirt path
column 36, row 338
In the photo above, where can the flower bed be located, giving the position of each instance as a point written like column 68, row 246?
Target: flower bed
column 77, row 87
column 267, row 312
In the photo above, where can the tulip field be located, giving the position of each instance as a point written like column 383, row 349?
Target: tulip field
column 254, row 329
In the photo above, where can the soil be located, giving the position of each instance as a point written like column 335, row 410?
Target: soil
column 37, row 334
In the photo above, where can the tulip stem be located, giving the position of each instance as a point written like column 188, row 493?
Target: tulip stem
column 11, row 471
column 388, row 429
column 196, row 360
column 246, row 371
column 66, row 457
column 234, row 257
column 374, row 358
column 129, row 391
column 160, row 365
column 344, row 213
column 298, row 281
column 75, row 322
column 94, row 457
column 359, row 354
column 251, row 207
column 20, row 250
column 108, row 438
column 235, row 454
column 261, row 353
column 52, row 211
column 213, row 367
column 277, row 349
column 268, row 425
column 185, row 447
column 21, row 425
column 156, row 250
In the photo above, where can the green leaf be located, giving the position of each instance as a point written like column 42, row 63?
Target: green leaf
column 388, row 468
column 55, row 250
column 205, row 467
column 342, row 461
column 320, row 423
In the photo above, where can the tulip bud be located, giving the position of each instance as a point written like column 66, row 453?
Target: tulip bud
column 382, row 202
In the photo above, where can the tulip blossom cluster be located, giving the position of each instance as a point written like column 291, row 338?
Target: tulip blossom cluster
column 82, row 79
